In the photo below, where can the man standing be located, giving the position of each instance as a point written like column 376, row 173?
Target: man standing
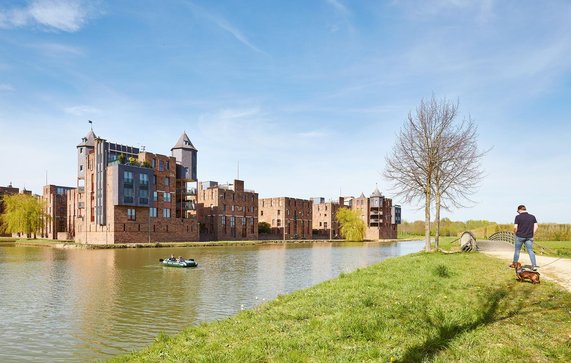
column 525, row 226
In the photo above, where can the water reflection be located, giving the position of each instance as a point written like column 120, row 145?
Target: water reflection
column 80, row 305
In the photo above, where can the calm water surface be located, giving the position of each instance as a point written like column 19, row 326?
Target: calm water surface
column 82, row 305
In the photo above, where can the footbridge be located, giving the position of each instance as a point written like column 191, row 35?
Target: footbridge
column 499, row 241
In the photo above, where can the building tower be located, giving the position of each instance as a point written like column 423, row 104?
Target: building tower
column 86, row 147
column 376, row 202
column 186, row 165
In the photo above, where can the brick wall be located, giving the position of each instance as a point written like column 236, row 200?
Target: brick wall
column 292, row 213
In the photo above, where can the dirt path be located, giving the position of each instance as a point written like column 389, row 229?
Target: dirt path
column 557, row 269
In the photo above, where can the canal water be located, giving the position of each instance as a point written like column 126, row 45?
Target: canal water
column 82, row 305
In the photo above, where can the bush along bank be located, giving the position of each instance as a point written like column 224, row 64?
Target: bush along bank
column 423, row 307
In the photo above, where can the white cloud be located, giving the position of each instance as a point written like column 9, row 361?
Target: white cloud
column 63, row 15
column 81, row 110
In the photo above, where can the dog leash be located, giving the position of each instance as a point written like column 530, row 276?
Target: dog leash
column 552, row 262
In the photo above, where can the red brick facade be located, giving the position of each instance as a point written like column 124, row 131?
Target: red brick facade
column 324, row 222
column 295, row 214
column 156, row 220
column 227, row 212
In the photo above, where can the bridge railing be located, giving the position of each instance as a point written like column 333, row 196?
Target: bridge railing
column 505, row 236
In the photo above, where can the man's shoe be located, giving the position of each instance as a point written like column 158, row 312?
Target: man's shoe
column 534, row 268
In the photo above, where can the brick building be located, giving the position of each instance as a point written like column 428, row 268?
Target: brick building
column 323, row 218
column 56, row 199
column 293, row 214
column 227, row 212
column 380, row 216
column 126, row 194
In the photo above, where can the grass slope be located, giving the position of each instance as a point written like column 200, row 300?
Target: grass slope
column 423, row 307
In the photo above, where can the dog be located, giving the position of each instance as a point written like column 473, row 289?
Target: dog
column 523, row 274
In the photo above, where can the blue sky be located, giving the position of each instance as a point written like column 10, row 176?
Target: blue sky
column 307, row 95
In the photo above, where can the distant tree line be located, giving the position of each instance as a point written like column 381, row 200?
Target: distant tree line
column 484, row 229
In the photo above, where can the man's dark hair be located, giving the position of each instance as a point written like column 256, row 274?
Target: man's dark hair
column 521, row 207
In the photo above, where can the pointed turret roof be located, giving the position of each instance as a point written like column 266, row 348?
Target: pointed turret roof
column 184, row 143
column 362, row 195
column 376, row 192
column 89, row 139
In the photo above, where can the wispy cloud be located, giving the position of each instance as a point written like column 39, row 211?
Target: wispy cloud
column 343, row 13
column 5, row 87
column 56, row 49
column 63, row 15
column 81, row 110
column 226, row 26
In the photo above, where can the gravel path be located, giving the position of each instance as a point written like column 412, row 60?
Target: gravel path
column 557, row 269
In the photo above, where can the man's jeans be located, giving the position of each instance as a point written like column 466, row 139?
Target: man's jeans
column 519, row 241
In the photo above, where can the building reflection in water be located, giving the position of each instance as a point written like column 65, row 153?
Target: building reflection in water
column 82, row 305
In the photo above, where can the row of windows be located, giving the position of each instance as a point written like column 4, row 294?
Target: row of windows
column 132, row 213
column 289, row 203
column 288, row 212
column 143, row 179
column 163, row 165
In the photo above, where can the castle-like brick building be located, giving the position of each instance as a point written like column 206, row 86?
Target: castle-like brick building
column 126, row 194
column 227, row 211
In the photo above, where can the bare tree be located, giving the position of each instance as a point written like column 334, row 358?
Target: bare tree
column 435, row 159
column 458, row 173
column 416, row 155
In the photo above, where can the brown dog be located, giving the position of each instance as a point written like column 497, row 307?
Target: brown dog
column 523, row 274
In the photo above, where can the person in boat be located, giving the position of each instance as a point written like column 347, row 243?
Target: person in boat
column 180, row 259
column 172, row 258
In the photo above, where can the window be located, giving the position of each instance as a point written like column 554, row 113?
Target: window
column 80, row 167
column 243, row 220
column 166, row 213
column 262, row 213
column 278, row 212
column 155, row 196
column 81, row 150
column 143, row 196
column 161, row 165
column 153, row 163
column 324, row 224
column 223, row 220
column 128, row 195
column 168, row 165
column 131, row 216
column 166, row 181
column 166, row 197
column 144, row 180
column 128, row 179
column 154, row 179
column 232, row 221
column 153, row 212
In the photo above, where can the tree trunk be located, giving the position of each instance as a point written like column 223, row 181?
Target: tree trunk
column 427, row 219
column 437, row 220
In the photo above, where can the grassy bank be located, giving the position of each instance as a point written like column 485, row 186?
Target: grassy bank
column 71, row 244
column 424, row 307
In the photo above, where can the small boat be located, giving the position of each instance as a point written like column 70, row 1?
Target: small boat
column 176, row 263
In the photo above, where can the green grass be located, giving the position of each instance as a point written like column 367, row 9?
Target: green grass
column 419, row 308
column 7, row 239
column 554, row 248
